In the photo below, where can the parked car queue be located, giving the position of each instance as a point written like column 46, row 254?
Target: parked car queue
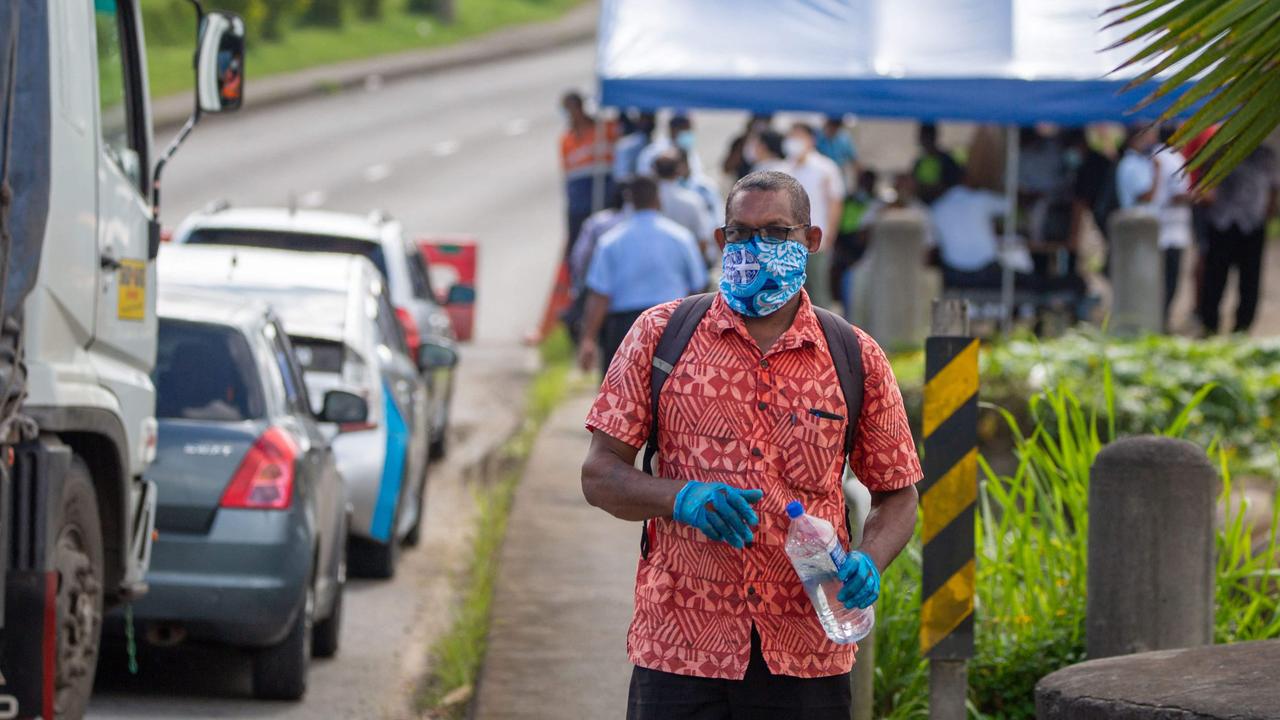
column 299, row 399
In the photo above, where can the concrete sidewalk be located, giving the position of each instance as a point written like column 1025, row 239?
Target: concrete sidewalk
column 557, row 645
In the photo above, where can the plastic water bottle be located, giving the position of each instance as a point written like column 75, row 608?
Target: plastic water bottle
column 816, row 554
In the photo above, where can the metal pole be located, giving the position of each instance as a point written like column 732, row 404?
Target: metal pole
column 599, row 169
column 1010, row 225
column 948, row 502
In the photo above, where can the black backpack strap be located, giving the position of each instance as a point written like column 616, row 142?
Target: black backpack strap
column 675, row 337
column 846, row 353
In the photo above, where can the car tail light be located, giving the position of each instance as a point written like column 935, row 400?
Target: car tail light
column 411, row 336
column 264, row 480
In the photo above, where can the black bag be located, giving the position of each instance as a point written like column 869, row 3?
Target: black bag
column 842, row 341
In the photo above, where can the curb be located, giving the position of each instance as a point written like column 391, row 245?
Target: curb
column 577, row 25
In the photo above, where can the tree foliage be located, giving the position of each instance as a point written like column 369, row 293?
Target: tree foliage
column 1223, row 57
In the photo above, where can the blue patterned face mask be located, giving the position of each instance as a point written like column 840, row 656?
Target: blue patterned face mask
column 760, row 277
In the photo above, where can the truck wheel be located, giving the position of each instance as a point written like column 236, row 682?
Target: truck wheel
column 280, row 671
column 77, row 560
column 372, row 559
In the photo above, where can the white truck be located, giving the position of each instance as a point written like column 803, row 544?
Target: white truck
column 79, row 230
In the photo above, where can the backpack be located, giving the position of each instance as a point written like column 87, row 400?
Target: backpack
column 842, row 341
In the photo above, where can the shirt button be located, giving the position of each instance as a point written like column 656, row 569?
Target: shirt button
column 751, row 591
column 756, row 452
column 764, row 363
column 762, row 405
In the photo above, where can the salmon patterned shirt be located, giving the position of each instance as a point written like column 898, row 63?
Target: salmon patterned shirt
column 734, row 415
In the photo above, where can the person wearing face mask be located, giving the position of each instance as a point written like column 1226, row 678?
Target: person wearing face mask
column 681, row 204
column 741, row 158
column 582, row 156
column 645, row 260
column 824, row 183
column 679, row 135
column 1092, row 176
column 750, row 417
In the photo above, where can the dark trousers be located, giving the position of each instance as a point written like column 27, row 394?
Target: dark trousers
column 1227, row 249
column 616, row 327
column 760, row 695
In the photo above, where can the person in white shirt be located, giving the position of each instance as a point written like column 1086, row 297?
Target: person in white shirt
column 626, row 152
column 681, row 204
column 964, row 231
column 1172, row 200
column 1136, row 177
column 822, row 179
column 679, row 135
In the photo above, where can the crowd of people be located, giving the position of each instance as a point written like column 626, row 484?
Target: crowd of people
column 654, row 187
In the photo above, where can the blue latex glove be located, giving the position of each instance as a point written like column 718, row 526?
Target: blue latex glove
column 722, row 512
column 861, row 581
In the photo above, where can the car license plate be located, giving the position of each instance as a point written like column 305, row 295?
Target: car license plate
column 131, row 279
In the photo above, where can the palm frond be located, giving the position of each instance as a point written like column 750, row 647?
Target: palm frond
column 1222, row 59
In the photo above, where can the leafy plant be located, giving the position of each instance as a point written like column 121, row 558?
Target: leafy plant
column 1032, row 552
column 1221, row 53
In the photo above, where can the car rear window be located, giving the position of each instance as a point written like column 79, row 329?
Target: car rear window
column 205, row 372
column 318, row 355
column 281, row 240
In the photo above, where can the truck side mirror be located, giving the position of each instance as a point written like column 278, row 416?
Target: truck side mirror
column 220, row 63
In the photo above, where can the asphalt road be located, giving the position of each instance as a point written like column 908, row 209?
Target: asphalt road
column 471, row 150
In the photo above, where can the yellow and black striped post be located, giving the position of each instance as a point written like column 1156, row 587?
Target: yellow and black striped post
column 948, row 499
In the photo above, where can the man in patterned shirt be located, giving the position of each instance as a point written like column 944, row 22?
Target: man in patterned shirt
column 751, row 418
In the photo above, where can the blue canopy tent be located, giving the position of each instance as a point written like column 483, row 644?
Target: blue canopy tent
column 1012, row 62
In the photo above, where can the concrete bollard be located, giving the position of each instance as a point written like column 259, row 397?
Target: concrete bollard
column 895, row 285
column 1137, row 272
column 1151, row 547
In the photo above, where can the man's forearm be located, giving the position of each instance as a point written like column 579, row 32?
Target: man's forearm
column 625, row 492
column 890, row 524
column 594, row 311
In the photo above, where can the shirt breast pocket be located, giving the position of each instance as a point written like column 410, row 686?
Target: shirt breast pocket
column 816, row 452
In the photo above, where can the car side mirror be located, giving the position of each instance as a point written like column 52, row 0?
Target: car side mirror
column 437, row 354
column 344, row 409
column 460, row 295
column 220, row 63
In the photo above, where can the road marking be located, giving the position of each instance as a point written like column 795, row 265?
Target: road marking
column 377, row 173
column 516, row 126
column 445, row 148
column 313, row 198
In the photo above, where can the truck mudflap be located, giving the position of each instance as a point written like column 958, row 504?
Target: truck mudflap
column 144, row 532
column 28, row 644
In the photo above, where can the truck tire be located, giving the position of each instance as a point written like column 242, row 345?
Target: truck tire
column 280, row 671
column 77, row 559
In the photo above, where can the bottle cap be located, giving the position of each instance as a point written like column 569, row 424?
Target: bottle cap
column 794, row 509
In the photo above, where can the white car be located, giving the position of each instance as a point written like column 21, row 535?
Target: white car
column 375, row 236
column 345, row 335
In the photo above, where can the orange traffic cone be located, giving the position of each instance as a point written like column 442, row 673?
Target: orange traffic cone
column 557, row 303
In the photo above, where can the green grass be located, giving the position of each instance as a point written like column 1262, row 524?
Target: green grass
column 457, row 656
column 1032, row 551
column 169, row 66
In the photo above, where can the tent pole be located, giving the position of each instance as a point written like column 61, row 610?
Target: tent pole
column 1010, row 226
column 599, row 169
